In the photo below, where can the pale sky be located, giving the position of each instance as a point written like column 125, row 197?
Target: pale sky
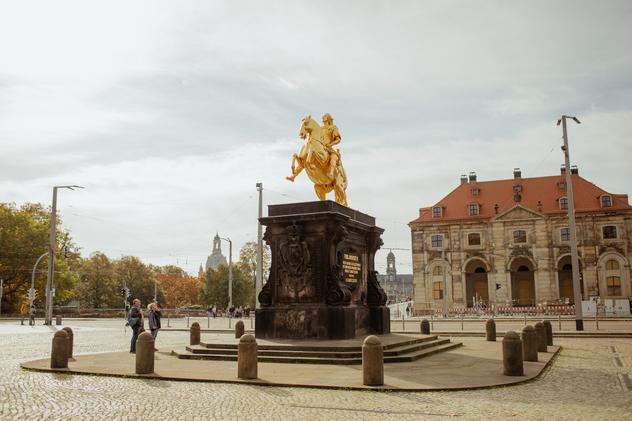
column 170, row 112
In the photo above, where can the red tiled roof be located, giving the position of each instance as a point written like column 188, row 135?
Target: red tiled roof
column 540, row 194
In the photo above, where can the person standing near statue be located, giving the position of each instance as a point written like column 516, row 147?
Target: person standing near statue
column 135, row 321
column 331, row 137
column 153, row 315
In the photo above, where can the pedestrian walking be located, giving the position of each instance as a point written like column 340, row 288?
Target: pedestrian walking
column 153, row 315
column 135, row 321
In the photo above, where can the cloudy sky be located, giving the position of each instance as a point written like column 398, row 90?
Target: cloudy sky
column 170, row 112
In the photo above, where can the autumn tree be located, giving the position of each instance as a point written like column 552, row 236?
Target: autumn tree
column 24, row 237
column 178, row 291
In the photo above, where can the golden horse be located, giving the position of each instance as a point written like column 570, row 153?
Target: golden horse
column 314, row 157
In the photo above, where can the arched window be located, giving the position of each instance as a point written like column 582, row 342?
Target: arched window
column 474, row 239
column 437, row 290
column 520, row 236
column 480, row 270
column 613, row 277
column 563, row 202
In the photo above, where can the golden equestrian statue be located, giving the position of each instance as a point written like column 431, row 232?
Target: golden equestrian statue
column 320, row 160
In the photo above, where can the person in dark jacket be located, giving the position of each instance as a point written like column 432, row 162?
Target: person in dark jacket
column 135, row 321
column 153, row 315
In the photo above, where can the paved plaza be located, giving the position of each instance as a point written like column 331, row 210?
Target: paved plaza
column 588, row 380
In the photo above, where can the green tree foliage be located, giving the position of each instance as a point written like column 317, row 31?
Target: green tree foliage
column 24, row 236
column 214, row 287
column 248, row 258
column 98, row 287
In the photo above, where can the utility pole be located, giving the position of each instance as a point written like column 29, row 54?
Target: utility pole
column 230, row 271
column 259, row 275
column 577, row 295
column 445, row 289
column 50, row 280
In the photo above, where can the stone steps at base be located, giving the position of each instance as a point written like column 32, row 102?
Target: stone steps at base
column 407, row 353
column 285, row 352
column 328, row 348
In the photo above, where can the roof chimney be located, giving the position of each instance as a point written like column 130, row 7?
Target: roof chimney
column 472, row 177
column 463, row 179
column 517, row 173
column 562, row 169
column 574, row 169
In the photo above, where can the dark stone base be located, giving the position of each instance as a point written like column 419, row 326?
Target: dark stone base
column 308, row 322
column 380, row 320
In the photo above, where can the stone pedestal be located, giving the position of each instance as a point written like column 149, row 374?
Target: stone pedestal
column 322, row 283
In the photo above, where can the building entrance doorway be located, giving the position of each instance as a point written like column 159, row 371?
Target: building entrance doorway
column 565, row 280
column 476, row 286
column 522, row 283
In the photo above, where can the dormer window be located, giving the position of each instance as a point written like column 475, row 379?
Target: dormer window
column 606, row 201
column 473, row 209
column 475, row 191
column 563, row 203
column 437, row 212
column 561, row 185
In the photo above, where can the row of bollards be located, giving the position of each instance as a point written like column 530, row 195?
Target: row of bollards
column 525, row 347
column 61, row 352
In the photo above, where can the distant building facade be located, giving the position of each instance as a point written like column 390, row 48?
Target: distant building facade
column 397, row 287
column 216, row 257
column 507, row 242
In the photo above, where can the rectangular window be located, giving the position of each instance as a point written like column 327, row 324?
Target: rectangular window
column 474, row 239
column 475, row 192
column 520, row 236
column 563, row 203
column 609, row 232
column 437, row 290
column 437, row 241
column 473, row 209
column 606, row 201
column 436, row 212
column 614, row 285
column 565, row 234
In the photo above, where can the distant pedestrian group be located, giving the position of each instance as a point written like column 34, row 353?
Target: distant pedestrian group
column 136, row 322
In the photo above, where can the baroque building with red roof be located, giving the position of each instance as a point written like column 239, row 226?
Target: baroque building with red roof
column 507, row 242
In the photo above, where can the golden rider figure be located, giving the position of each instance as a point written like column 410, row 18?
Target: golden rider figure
column 331, row 137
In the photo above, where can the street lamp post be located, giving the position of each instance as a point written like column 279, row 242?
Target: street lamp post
column 50, row 281
column 32, row 292
column 230, row 271
column 577, row 295
column 259, row 276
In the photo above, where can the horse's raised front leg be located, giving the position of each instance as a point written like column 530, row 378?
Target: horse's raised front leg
column 296, row 170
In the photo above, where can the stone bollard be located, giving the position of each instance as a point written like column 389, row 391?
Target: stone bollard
column 372, row 362
column 512, row 355
column 541, row 333
column 529, row 344
column 59, row 353
column 58, row 320
column 71, row 340
column 490, row 330
column 239, row 329
column 549, row 332
column 145, row 353
column 195, row 334
column 424, row 326
column 247, row 357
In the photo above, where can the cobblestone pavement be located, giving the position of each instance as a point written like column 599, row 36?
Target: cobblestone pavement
column 587, row 381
